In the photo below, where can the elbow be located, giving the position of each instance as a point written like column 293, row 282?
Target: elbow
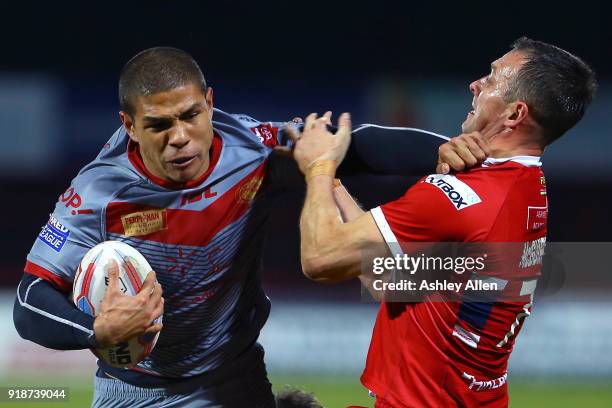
column 313, row 269
column 318, row 270
column 20, row 320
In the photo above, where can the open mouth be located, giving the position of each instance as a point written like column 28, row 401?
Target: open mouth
column 182, row 162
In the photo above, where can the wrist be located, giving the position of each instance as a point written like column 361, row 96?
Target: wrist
column 321, row 168
column 98, row 338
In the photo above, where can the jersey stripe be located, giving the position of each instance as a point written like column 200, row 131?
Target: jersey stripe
column 37, row 270
column 34, row 309
column 225, row 210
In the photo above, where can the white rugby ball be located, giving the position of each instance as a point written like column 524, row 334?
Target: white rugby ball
column 89, row 288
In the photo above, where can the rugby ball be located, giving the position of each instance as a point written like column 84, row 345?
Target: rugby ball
column 89, row 288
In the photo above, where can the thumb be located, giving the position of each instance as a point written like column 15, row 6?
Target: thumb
column 442, row 168
column 344, row 123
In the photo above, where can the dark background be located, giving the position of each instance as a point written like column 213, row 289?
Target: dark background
column 277, row 60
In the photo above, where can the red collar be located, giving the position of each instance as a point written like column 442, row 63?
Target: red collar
column 136, row 160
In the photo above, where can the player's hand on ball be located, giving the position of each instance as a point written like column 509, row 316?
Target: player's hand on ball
column 316, row 143
column 123, row 317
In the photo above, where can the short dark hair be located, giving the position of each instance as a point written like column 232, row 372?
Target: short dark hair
column 156, row 70
column 291, row 397
column 556, row 86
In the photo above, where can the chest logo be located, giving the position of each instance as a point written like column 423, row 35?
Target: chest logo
column 143, row 222
column 248, row 191
column 460, row 194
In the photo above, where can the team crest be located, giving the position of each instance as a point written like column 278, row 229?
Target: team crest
column 248, row 191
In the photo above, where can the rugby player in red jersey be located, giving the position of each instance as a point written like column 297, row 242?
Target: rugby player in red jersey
column 447, row 354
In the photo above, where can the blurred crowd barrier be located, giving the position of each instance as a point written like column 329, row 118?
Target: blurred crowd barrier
column 570, row 340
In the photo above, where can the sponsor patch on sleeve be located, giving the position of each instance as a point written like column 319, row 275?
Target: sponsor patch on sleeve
column 460, row 194
column 267, row 134
column 536, row 218
column 54, row 234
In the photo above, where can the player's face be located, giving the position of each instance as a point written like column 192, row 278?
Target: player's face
column 174, row 131
column 488, row 101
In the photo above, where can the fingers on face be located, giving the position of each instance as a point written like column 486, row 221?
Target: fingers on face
column 475, row 149
column 467, row 156
column 482, row 143
column 450, row 157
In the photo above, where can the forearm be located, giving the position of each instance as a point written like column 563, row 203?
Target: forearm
column 324, row 251
column 44, row 315
column 391, row 151
column 349, row 209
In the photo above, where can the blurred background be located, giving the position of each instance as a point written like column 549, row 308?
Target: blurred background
column 391, row 63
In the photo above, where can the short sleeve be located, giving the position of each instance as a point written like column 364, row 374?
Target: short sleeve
column 73, row 228
column 432, row 210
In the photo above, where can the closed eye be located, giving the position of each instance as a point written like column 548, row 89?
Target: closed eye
column 189, row 115
column 158, row 125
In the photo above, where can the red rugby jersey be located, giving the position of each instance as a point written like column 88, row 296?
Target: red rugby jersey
column 456, row 353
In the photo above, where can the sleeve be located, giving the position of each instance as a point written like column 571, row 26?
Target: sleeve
column 432, row 210
column 72, row 229
column 269, row 133
column 374, row 149
column 46, row 316
column 384, row 150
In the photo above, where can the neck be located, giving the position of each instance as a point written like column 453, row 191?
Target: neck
column 510, row 143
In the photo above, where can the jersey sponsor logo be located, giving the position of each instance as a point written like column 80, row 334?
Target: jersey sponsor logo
column 248, row 191
column 143, row 222
column 266, row 133
column 193, row 198
column 120, row 354
column 459, row 193
column 483, row 385
column 72, row 199
column 536, row 218
column 469, row 338
column 533, row 252
column 54, row 234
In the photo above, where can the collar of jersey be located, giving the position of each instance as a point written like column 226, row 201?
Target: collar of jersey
column 528, row 161
column 136, row 160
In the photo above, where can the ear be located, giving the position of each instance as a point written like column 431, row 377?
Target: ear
column 209, row 101
column 517, row 114
column 128, row 124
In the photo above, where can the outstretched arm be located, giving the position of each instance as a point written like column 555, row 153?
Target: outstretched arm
column 403, row 151
column 331, row 249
